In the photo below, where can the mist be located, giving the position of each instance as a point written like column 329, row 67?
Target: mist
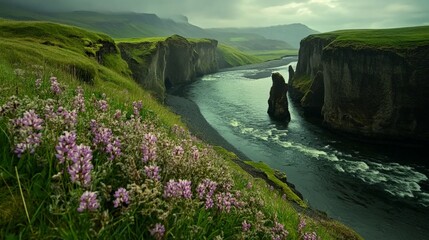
column 322, row 15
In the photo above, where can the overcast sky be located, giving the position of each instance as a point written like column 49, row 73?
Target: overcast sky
column 321, row 15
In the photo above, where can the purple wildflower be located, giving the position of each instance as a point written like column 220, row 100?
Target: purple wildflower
column 38, row 83
column 28, row 130
column 114, row 149
column 149, row 147
column 225, row 200
column 69, row 117
column 245, row 226
column 158, row 231
column 66, row 142
column 49, row 111
column 102, row 105
column 121, row 196
column 80, row 169
column 137, row 106
column 117, row 114
column 88, row 201
column 195, row 153
column 178, row 151
column 79, row 100
column 206, row 188
column 278, row 231
column 55, row 86
column 152, row 172
column 151, row 138
column 310, row 236
column 301, row 224
column 249, row 185
column 182, row 188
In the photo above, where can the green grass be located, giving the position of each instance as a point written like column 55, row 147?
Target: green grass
column 52, row 203
column 395, row 38
column 234, row 57
column 267, row 55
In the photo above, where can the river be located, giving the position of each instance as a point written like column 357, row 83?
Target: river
column 380, row 191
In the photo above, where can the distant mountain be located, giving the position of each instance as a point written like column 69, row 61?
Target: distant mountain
column 137, row 25
column 291, row 33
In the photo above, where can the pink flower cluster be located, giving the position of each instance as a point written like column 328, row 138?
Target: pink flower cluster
column 158, row 231
column 205, row 190
column 245, row 226
column 179, row 189
column 152, row 172
column 79, row 100
column 102, row 105
column 226, row 200
column 121, row 197
column 80, row 169
column 137, row 106
column 55, row 86
column 88, row 201
column 103, row 137
column 66, row 142
column 310, row 236
column 278, row 232
column 79, row 156
column 149, row 147
column 28, row 132
column 178, row 151
column 69, row 117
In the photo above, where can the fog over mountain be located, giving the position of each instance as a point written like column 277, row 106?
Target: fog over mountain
column 323, row 15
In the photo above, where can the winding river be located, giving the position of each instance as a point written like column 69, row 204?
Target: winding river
column 380, row 191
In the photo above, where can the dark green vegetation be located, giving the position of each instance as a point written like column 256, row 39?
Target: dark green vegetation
column 256, row 41
column 41, row 201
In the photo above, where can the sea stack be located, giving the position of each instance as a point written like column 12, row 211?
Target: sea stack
column 277, row 103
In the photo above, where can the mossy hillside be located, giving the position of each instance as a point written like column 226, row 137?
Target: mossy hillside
column 232, row 57
column 399, row 39
column 61, row 46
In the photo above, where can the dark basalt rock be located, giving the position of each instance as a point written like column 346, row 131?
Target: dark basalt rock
column 278, row 103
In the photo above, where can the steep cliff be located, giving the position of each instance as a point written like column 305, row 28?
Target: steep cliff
column 367, row 82
column 159, row 64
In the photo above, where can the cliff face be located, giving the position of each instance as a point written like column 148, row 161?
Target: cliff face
column 375, row 92
column 160, row 65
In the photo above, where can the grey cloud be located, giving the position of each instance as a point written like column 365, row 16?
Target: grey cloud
column 322, row 15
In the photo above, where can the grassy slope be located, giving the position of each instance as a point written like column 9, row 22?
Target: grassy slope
column 25, row 56
column 395, row 38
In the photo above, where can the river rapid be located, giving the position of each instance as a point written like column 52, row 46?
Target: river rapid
column 381, row 191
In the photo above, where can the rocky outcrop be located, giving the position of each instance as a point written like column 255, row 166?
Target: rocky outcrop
column 278, row 103
column 377, row 92
column 160, row 65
